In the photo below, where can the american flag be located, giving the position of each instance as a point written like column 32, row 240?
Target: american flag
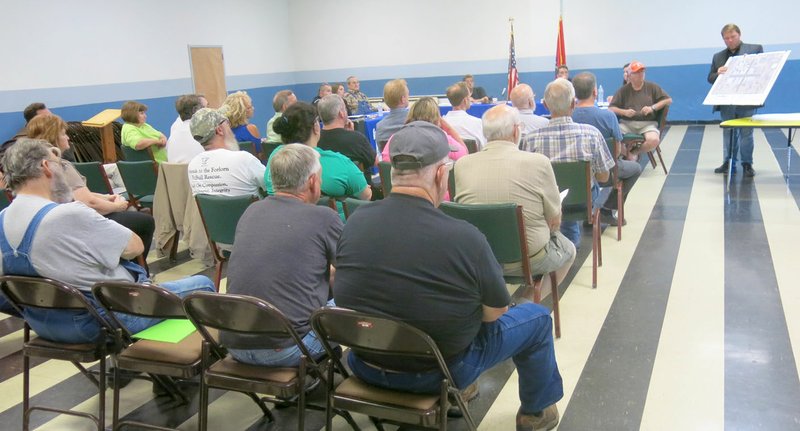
column 513, row 76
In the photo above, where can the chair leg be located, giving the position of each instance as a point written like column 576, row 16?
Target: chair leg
column 652, row 159
column 556, row 306
column 620, row 212
column 596, row 260
column 101, row 414
column 218, row 275
column 537, row 290
column 661, row 159
column 173, row 249
column 26, row 386
column 115, row 402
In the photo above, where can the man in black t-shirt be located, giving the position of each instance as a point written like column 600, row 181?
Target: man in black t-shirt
column 335, row 135
column 403, row 258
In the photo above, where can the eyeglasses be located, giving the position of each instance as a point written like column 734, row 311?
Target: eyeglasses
column 448, row 164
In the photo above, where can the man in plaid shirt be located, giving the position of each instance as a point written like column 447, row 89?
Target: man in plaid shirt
column 566, row 141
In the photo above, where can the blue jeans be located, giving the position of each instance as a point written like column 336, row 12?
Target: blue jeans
column 573, row 229
column 742, row 137
column 288, row 357
column 81, row 327
column 524, row 334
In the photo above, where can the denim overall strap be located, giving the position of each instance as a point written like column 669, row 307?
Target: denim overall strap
column 17, row 261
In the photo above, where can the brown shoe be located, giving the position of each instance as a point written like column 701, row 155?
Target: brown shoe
column 468, row 394
column 547, row 421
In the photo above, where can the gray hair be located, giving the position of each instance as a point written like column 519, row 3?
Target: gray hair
column 23, row 161
column 188, row 104
column 329, row 108
column 559, row 96
column 291, row 166
column 584, row 84
column 521, row 96
column 499, row 122
column 422, row 177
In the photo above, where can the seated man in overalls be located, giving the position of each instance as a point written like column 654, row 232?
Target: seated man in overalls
column 43, row 233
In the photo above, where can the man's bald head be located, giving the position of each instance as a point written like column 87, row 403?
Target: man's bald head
column 522, row 97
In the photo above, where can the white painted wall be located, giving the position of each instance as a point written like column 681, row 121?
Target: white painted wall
column 56, row 43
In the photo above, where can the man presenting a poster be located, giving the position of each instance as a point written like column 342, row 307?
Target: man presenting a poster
column 743, row 138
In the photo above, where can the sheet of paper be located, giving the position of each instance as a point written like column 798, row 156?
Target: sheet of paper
column 777, row 117
column 748, row 80
column 563, row 194
column 168, row 331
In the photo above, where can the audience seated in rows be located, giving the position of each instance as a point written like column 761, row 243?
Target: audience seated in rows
column 221, row 169
column 605, row 121
column 30, row 111
column 395, row 96
column 397, row 251
column 637, row 104
column 476, row 94
column 357, row 102
column 181, row 145
column 466, row 125
column 564, row 140
column 338, row 135
column 69, row 242
column 239, row 109
column 502, row 173
column 284, row 253
column 282, row 100
column 53, row 129
column 340, row 176
column 139, row 135
column 523, row 99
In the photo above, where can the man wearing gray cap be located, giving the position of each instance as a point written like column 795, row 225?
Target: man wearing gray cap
column 439, row 275
column 221, row 169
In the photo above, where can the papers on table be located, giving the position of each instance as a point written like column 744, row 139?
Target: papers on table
column 777, row 117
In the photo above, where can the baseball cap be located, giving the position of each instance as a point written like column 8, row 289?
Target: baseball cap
column 636, row 66
column 424, row 144
column 204, row 122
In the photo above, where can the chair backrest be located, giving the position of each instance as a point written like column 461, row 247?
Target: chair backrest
column 662, row 118
column 385, row 172
column 140, row 178
column 351, row 205
column 614, row 149
column 248, row 146
column 145, row 300
column 472, row 145
column 327, row 201
column 132, row 155
column 451, row 183
column 96, row 178
column 45, row 293
column 268, row 148
column 577, row 177
column 501, row 224
column 5, row 199
column 237, row 314
column 220, row 215
column 377, row 336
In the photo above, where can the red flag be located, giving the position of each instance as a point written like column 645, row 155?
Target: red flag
column 561, row 52
column 513, row 76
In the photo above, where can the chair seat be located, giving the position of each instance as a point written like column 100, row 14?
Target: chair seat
column 632, row 137
column 234, row 375
column 182, row 359
column 355, row 388
column 71, row 352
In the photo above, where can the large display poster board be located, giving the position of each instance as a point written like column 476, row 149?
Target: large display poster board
column 748, row 80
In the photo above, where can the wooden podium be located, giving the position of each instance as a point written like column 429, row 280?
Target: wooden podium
column 103, row 122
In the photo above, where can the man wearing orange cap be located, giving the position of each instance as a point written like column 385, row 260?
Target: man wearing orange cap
column 636, row 104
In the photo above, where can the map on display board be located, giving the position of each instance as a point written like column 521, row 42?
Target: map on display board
column 748, row 80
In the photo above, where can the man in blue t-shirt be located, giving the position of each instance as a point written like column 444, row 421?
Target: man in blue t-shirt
column 439, row 275
column 606, row 122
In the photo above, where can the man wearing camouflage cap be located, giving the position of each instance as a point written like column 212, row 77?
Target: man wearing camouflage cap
column 221, row 169
column 440, row 275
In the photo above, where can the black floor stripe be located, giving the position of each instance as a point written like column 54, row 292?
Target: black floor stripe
column 612, row 389
column 762, row 390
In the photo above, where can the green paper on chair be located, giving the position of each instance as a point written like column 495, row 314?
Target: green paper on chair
column 168, row 331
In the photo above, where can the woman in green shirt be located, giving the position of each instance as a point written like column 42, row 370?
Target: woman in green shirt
column 139, row 135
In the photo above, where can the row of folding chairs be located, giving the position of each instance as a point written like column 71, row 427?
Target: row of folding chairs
column 203, row 355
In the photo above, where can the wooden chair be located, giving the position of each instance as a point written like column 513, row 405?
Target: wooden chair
column 5, row 199
column 161, row 360
column 503, row 225
column 381, row 336
column 616, row 183
column 140, row 180
column 249, row 316
column 633, row 138
column 220, row 215
column 96, row 178
column 577, row 205
column 32, row 294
